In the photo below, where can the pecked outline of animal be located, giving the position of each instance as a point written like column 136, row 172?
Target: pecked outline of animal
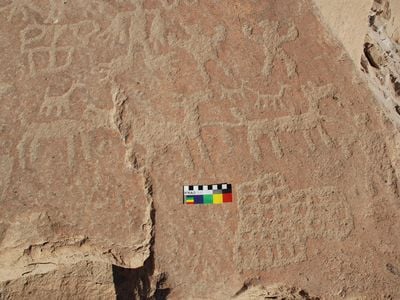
column 202, row 48
column 137, row 127
column 93, row 118
column 312, row 119
column 273, row 101
column 59, row 103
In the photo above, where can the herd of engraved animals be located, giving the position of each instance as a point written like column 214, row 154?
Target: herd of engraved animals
column 129, row 28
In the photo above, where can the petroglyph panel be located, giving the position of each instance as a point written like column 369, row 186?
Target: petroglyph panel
column 141, row 132
column 303, row 123
column 285, row 220
column 109, row 107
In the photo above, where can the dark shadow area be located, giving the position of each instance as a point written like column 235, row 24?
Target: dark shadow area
column 130, row 283
column 138, row 283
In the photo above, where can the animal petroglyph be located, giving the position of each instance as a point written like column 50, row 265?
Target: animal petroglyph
column 290, row 217
column 65, row 129
column 272, row 43
column 59, row 103
column 264, row 101
column 202, row 48
column 138, row 129
column 24, row 8
column 303, row 123
column 235, row 92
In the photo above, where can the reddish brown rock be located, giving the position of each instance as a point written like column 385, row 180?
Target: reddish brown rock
column 110, row 107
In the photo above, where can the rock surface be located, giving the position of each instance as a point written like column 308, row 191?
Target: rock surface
column 109, row 107
column 348, row 21
column 371, row 37
column 381, row 55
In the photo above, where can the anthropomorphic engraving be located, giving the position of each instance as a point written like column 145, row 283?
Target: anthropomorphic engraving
column 272, row 43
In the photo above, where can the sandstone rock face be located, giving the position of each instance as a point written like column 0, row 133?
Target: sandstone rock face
column 109, row 107
column 370, row 33
column 348, row 21
column 381, row 55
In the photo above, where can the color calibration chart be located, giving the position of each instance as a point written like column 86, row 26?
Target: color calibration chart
column 207, row 194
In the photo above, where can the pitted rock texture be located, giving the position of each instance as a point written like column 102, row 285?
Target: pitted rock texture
column 109, row 107
column 277, row 291
column 371, row 37
column 381, row 55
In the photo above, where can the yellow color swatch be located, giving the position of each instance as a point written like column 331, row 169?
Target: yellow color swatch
column 217, row 198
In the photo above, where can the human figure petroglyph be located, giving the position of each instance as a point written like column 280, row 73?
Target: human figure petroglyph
column 128, row 29
column 293, row 217
column 69, row 130
column 26, row 8
column 191, row 119
column 61, row 104
column 272, row 43
column 202, row 47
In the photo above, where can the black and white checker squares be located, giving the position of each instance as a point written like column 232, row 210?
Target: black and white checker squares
column 206, row 189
